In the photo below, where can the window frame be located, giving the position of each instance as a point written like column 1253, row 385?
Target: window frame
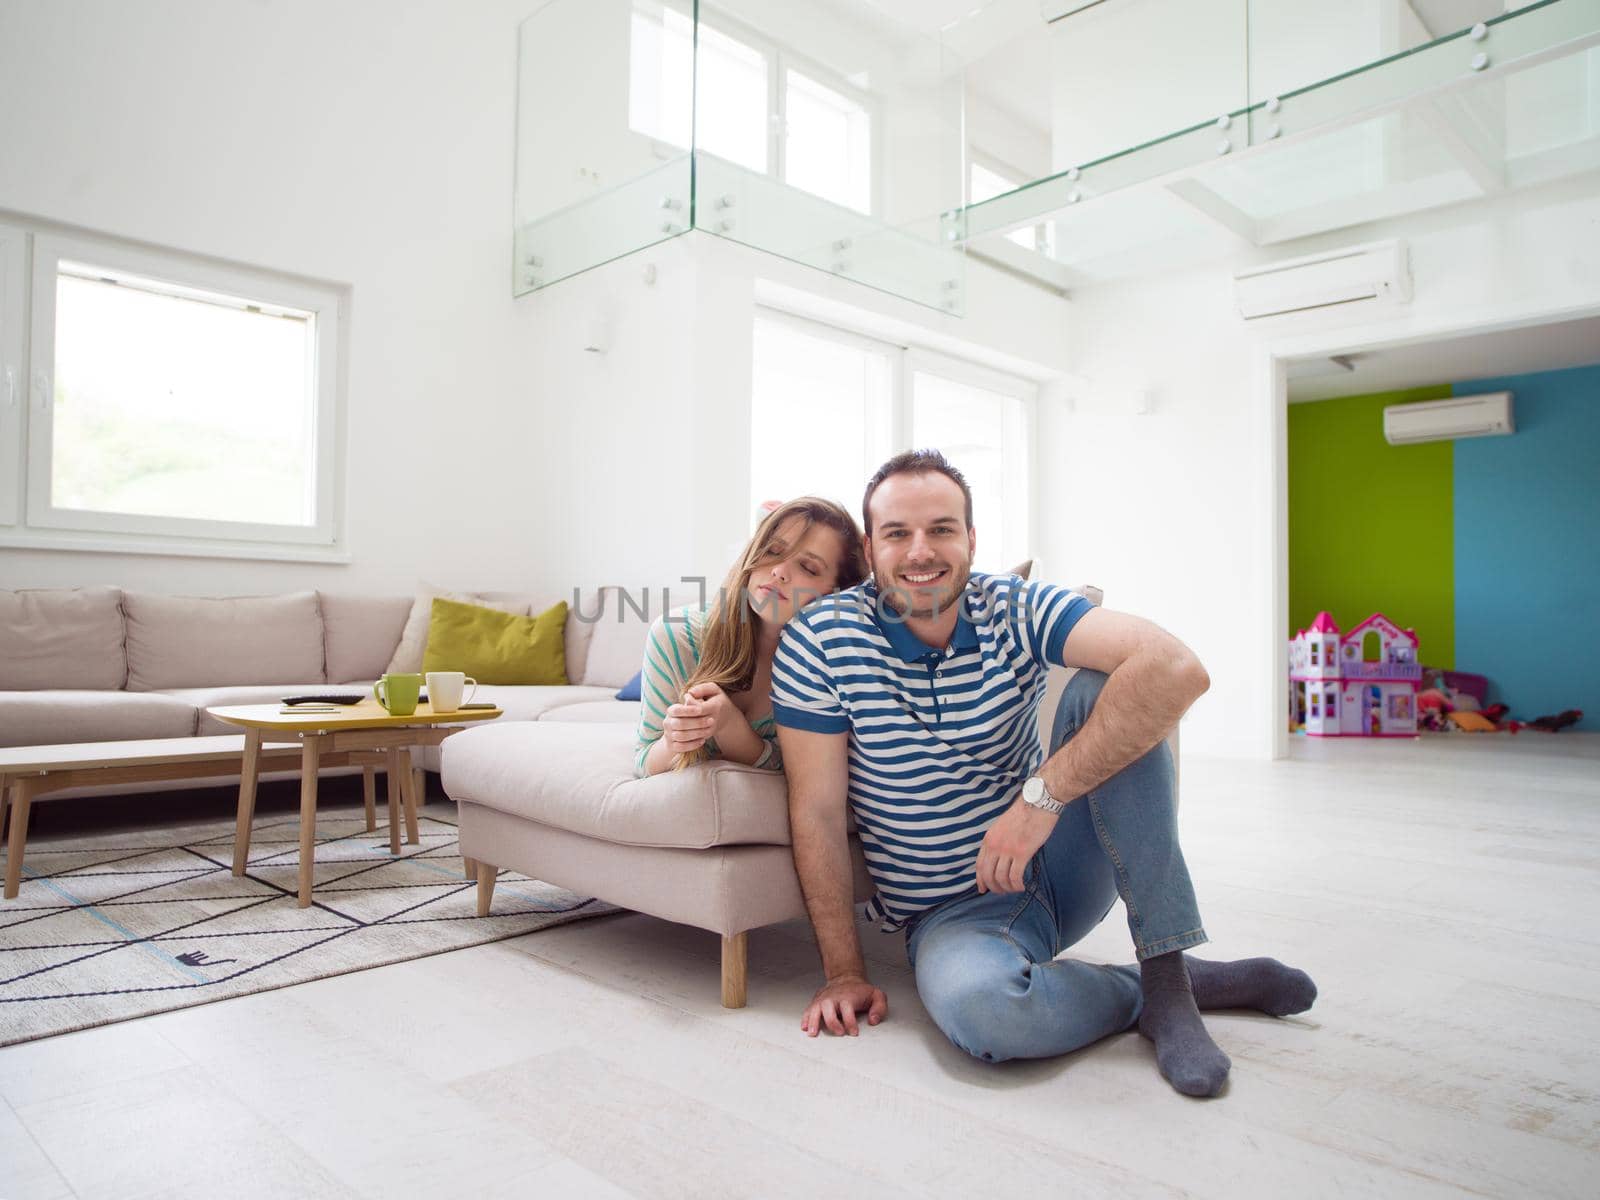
column 786, row 61
column 780, row 60
column 41, row 523
column 13, row 369
column 907, row 358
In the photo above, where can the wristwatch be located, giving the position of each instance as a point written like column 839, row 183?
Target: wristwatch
column 1036, row 795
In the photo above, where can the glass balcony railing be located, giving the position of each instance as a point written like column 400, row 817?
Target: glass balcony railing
column 881, row 141
column 827, row 134
column 1273, row 119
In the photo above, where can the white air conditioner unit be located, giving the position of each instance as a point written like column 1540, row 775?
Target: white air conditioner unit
column 1376, row 272
column 1441, row 420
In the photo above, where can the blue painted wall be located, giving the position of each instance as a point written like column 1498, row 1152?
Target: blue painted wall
column 1527, row 546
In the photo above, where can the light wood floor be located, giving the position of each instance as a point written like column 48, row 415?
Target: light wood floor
column 1443, row 893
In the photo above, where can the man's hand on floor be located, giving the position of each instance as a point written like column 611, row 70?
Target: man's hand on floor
column 836, row 1005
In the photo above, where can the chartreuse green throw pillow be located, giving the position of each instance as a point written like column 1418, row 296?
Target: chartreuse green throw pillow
column 497, row 647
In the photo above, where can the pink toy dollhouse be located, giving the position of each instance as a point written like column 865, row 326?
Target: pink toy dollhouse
column 1361, row 684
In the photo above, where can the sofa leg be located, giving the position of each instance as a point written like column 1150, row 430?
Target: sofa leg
column 486, row 876
column 735, row 959
column 469, row 868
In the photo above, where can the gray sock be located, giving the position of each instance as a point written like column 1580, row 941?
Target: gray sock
column 1188, row 1058
column 1263, row 984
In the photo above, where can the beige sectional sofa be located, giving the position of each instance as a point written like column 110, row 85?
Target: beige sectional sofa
column 102, row 664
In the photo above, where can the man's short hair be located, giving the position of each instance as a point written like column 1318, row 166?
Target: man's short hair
column 915, row 462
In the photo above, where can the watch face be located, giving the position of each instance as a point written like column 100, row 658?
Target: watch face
column 1033, row 790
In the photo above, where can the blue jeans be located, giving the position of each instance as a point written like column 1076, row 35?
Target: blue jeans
column 984, row 963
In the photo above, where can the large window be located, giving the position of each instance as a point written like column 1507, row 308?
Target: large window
column 754, row 103
column 828, row 407
column 170, row 404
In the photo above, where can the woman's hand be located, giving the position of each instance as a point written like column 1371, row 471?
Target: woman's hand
column 711, row 701
column 686, row 727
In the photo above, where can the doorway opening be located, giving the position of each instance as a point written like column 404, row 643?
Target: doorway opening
column 1482, row 547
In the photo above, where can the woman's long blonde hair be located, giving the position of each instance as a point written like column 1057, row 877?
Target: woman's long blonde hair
column 728, row 654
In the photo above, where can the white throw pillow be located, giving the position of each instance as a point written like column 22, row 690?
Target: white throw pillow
column 414, row 639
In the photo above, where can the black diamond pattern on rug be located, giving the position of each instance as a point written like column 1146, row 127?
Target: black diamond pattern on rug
column 123, row 925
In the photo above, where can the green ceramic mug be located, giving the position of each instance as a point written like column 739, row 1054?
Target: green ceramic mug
column 398, row 693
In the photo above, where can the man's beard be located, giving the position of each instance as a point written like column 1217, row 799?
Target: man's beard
column 910, row 604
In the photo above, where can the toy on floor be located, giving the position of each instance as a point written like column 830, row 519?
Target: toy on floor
column 1558, row 722
column 1360, row 684
column 1472, row 722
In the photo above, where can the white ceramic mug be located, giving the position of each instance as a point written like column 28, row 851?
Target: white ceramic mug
column 445, row 688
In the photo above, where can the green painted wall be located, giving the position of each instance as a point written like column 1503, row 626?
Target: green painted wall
column 1371, row 526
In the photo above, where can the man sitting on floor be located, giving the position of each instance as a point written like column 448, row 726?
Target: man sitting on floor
column 915, row 697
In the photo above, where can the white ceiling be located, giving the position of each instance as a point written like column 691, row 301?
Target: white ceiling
column 1457, row 360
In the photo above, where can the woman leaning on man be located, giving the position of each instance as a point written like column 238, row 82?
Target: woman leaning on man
column 707, row 676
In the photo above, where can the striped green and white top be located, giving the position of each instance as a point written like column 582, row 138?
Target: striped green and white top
column 671, row 654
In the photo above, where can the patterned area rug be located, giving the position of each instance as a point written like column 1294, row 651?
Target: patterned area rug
column 130, row 923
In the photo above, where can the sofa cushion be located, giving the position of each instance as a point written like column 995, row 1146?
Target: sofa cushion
column 191, row 641
column 575, row 634
column 44, row 718
column 608, row 711
column 62, row 638
column 202, row 698
column 579, row 777
column 497, row 647
column 407, row 656
column 532, row 702
column 620, row 620
column 360, row 633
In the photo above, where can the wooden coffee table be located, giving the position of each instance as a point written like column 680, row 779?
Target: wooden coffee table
column 30, row 771
column 367, row 726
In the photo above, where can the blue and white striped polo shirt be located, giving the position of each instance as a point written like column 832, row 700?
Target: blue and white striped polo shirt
column 940, row 740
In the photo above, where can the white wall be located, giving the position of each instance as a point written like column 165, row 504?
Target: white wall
column 370, row 144
column 363, row 143
column 1179, row 513
column 670, row 401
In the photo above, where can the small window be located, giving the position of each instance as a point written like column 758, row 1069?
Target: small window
column 745, row 98
column 731, row 120
column 177, row 404
column 828, row 146
column 1316, row 704
column 1315, row 649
